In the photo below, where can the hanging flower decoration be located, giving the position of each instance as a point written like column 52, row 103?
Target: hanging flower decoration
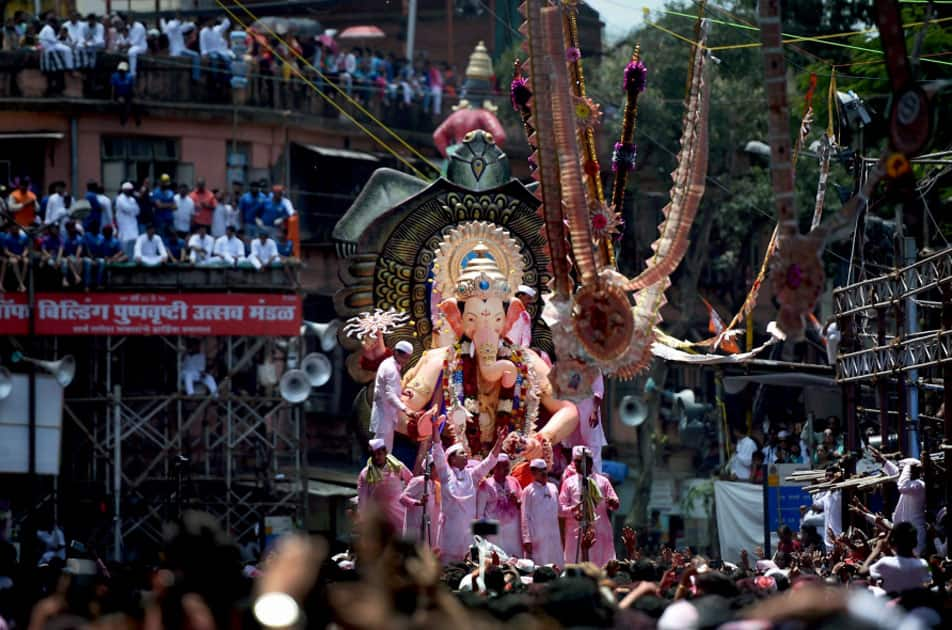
column 520, row 94
column 797, row 278
column 624, row 156
column 587, row 112
column 636, row 77
column 605, row 222
column 572, row 54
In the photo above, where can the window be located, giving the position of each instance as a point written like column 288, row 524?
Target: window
column 239, row 160
column 139, row 157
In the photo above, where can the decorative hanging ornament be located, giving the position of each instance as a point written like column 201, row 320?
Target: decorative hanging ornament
column 636, row 77
column 519, row 93
column 587, row 112
column 624, row 156
column 572, row 54
column 606, row 223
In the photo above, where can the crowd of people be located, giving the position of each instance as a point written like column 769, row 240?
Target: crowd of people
column 76, row 42
column 82, row 237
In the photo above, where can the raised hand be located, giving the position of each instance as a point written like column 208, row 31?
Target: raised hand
column 588, row 537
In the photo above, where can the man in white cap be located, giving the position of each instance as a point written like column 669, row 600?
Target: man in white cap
column 911, row 505
column 458, row 493
column 412, row 500
column 541, row 539
column 387, row 388
column 521, row 331
column 127, row 219
column 498, row 499
column 587, row 497
column 381, row 483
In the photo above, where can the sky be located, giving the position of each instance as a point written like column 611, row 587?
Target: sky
column 620, row 16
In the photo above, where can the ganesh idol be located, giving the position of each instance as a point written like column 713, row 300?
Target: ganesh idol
column 474, row 375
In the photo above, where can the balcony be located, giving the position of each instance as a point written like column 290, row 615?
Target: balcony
column 165, row 83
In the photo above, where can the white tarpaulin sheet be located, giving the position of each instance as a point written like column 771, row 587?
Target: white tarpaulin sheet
column 740, row 518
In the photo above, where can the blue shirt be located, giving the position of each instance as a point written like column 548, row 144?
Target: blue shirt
column 174, row 245
column 109, row 247
column 285, row 248
column 71, row 245
column 16, row 245
column 94, row 218
column 51, row 243
column 273, row 210
column 250, row 206
column 91, row 244
column 123, row 83
column 160, row 195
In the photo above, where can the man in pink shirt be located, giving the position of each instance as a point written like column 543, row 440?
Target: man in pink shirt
column 588, row 497
column 498, row 499
column 541, row 539
column 412, row 500
column 381, row 483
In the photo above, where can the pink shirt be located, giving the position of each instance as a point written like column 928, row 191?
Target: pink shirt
column 500, row 502
column 385, row 494
column 569, row 498
column 540, row 523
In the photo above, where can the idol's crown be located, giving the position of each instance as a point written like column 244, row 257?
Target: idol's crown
column 480, row 277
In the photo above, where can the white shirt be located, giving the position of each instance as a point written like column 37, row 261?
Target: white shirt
column 350, row 63
column 106, row 204
column 232, row 247
column 127, row 209
column 184, row 211
column 47, row 37
column 211, row 39
column 150, row 247
column 911, row 505
column 205, row 243
column 194, row 362
column 137, row 36
column 832, row 502
column 900, row 573
column 224, row 215
column 56, row 210
column 264, row 251
column 740, row 463
column 75, row 30
column 387, row 388
column 175, row 30
column 94, row 37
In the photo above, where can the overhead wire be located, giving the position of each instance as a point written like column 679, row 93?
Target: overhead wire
column 332, row 102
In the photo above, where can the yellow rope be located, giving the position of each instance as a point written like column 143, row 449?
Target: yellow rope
column 331, row 101
column 343, row 93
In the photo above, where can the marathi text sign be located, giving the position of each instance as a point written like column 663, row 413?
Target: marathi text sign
column 14, row 314
column 194, row 314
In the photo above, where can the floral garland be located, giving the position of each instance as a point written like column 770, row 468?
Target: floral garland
column 517, row 407
column 624, row 156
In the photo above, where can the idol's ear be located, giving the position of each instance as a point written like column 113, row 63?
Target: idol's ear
column 450, row 310
column 516, row 309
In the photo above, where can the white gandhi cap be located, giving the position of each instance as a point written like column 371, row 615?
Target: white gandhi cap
column 538, row 463
column 456, row 448
column 376, row 444
column 524, row 288
column 404, row 346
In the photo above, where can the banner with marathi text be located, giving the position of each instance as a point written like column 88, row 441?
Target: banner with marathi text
column 190, row 314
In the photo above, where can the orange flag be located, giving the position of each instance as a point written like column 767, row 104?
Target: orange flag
column 716, row 325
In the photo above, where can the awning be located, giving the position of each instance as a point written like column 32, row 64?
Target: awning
column 734, row 384
column 32, row 135
column 344, row 154
column 324, row 489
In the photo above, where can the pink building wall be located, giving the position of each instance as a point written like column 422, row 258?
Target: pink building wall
column 204, row 143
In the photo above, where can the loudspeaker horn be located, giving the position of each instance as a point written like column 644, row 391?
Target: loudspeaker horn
column 326, row 333
column 318, row 369
column 295, row 386
column 6, row 383
column 63, row 370
column 686, row 405
column 267, row 374
column 632, row 411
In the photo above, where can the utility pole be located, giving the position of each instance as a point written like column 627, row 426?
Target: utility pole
column 912, row 383
column 411, row 28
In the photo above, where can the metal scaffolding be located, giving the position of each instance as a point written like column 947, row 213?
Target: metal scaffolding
column 155, row 451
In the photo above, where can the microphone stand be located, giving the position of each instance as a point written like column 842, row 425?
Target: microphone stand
column 425, row 520
column 584, row 523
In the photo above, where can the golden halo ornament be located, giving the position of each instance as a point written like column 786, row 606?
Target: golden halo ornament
column 456, row 249
column 588, row 114
column 603, row 321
